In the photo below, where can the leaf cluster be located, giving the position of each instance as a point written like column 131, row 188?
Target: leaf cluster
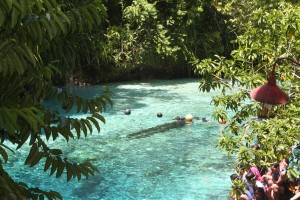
column 28, row 29
column 265, row 32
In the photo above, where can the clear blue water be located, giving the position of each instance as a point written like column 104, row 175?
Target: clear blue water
column 180, row 163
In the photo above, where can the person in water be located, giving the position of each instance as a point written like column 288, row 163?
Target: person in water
column 178, row 118
column 204, row 120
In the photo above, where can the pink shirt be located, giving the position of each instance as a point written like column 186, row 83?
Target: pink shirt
column 255, row 171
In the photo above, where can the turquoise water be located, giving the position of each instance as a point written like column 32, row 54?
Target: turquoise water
column 179, row 163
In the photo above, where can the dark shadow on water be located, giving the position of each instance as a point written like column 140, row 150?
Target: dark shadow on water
column 157, row 129
column 130, row 97
column 89, row 186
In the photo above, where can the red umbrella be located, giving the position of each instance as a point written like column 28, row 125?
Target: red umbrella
column 270, row 93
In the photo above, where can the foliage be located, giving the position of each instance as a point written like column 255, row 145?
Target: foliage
column 266, row 30
column 28, row 29
column 85, row 48
column 139, row 33
column 160, row 33
column 237, row 188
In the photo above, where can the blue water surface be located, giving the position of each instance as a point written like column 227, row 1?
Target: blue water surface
column 171, row 164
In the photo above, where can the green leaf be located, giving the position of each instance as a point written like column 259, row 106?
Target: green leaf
column 77, row 128
column 41, row 196
column 6, row 46
column 9, row 4
column 60, row 24
column 85, row 107
column 6, row 147
column 18, row 63
column 88, row 124
column 48, row 163
column 107, row 98
column 87, row 169
column 95, row 13
column 83, row 127
column 69, row 171
column 39, row 6
column 84, row 170
column 39, row 34
column 79, row 105
column 29, row 54
column 61, row 167
column 27, row 117
column 77, row 171
column 15, row 17
column 95, row 122
column 88, row 18
column 47, row 133
column 56, row 152
column 65, row 17
column 2, row 17
column 36, row 159
column 73, row 21
column 54, row 28
column 3, row 154
column 98, row 116
column 90, row 165
column 23, row 5
column 54, row 166
column 48, row 5
column 23, row 137
column 33, row 151
column 10, row 119
column 47, row 27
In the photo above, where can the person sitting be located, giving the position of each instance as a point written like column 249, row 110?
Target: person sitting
column 250, row 181
column 255, row 171
column 277, row 180
column 260, row 194
column 246, row 194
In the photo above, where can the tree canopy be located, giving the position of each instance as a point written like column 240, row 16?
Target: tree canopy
column 266, row 31
column 28, row 31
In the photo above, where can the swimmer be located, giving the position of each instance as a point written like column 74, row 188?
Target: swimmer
column 205, row 120
column 178, row 118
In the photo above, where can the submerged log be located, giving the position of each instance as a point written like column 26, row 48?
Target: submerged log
column 157, row 129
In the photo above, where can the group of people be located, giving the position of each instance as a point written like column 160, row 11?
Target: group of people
column 269, row 183
column 190, row 118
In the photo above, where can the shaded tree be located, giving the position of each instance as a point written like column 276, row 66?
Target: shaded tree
column 28, row 29
column 266, row 31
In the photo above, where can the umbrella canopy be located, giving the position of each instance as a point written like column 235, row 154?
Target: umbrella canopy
column 270, row 93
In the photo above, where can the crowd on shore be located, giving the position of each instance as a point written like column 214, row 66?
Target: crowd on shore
column 267, row 183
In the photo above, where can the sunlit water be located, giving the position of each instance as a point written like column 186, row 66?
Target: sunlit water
column 180, row 163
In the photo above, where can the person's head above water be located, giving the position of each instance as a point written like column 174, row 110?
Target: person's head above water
column 179, row 118
column 204, row 120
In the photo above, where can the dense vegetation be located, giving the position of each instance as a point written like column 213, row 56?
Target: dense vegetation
column 45, row 43
column 266, row 31
column 28, row 31
column 142, row 37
